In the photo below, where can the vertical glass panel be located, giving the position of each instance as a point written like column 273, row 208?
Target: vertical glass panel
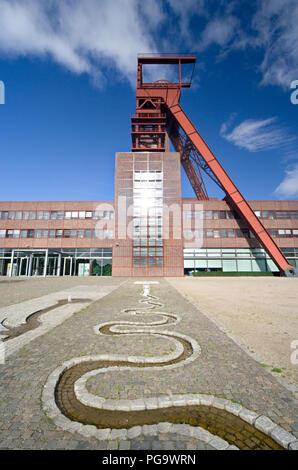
column 244, row 265
column 259, row 265
column 229, row 265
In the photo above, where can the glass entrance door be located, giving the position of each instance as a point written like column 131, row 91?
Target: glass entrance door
column 37, row 264
column 67, row 267
column 23, row 266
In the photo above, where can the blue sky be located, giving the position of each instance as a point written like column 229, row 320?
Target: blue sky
column 69, row 69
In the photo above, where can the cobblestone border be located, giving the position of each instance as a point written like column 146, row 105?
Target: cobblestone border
column 260, row 422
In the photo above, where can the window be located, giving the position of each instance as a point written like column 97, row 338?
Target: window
column 88, row 215
column 66, row 234
column 40, row 215
column 215, row 215
column 30, row 233
column 59, row 233
column 18, row 215
column 11, row 215
column 295, row 233
column 52, row 233
column 74, row 214
column 82, row 215
column 25, row 215
column 222, row 214
column 294, row 214
column 224, row 233
column 4, row 215
column 208, row 215
column 32, row 215
column 9, row 233
column 46, row 215
column 273, row 233
column 23, row 233
column 87, row 234
column 2, row 233
column 60, row 215
column 44, row 233
column 282, row 214
column 283, row 233
column 37, row 233
column 97, row 233
column 68, row 215
column 53, row 215
column 258, row 213
column 268, row 214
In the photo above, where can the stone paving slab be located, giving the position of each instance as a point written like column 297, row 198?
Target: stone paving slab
column 222, row 369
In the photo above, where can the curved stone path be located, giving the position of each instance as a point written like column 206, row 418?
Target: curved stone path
column 222, row 380
column 96, row 416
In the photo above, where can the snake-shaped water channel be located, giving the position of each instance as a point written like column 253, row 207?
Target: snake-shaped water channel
column 77, row 405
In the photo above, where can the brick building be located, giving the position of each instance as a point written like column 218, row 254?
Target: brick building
column 148, row 230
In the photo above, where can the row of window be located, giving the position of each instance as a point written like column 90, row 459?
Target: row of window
column 148, row 251
column 144, row 231
column 55, row 215
column 146, row 241
column 97, row 233
column 236, row 233
column 235, row 252
column 215, row 215
column 145, row 261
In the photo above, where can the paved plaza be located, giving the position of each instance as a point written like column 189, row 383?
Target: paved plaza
column 116, row 363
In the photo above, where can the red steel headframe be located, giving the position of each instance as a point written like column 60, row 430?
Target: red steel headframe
column 159, row 114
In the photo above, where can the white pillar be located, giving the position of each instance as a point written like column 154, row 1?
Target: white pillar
column 11, row 264
column 45, row 263
column 59, row 265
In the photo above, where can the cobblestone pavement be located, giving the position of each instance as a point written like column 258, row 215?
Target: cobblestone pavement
column 222, row 369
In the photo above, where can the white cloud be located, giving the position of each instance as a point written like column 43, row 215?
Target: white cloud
column 87, row 36
column 255, row 135
column 289, row 186
column 218, row 31
column 95, row 36
column 277, row 32
column 185, row 11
